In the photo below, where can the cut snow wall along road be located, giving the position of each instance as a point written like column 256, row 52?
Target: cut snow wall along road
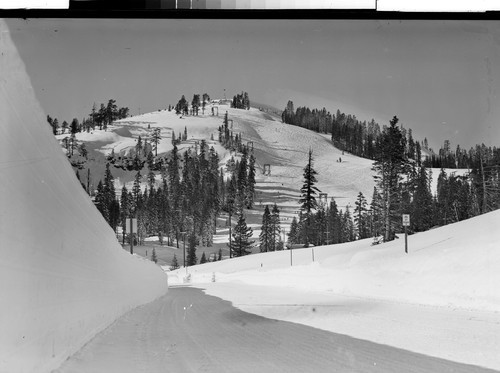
column 63, row 275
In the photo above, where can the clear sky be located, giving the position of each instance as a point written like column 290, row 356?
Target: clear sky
column 441, row 78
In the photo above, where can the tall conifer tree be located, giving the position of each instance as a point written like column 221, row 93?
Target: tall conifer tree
column 308, row 191
column 389, row 166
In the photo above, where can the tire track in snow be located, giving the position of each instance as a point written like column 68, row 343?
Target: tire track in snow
column 212, row 336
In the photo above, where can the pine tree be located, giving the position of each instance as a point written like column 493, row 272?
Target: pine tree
column 206, row 99
column 191, row 259
column 175, row 264
column 250, row 188
column 55, row 126
column 360, row 216
column 294, row 231
column 265, row 236
column 333, row 223
column 241, row 244
column 155, row 139
column 136, row 189
column 376, row 214
column 389, row 167
column 100, row 201
column 348, row 234
column 195, row 103
column 83, row 150
column 241, row 183
column 75, row 126
column 151, row 180
column 308, row 192
column 422, row 214
column 203, row 258
column 231, row 195
column 321, row 226
column 275, row 228
column 246, row 101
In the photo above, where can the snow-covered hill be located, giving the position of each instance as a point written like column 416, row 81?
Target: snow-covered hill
column 283, row 147
column 441, row 299
column 63, row 275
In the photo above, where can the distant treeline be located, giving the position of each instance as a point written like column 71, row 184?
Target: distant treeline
column 457, row 197
column 362, row 138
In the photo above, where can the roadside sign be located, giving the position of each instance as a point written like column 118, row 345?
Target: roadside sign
column 406, row 220
column 134, row 225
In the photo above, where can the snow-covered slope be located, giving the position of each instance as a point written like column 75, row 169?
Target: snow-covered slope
column 442, row 298
column 455, row 265
column 282, row 146
column 63, row 275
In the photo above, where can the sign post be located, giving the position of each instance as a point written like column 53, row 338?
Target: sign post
column 131, row 224
column 406, row 223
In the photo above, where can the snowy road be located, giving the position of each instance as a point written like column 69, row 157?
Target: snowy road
column 188, row 331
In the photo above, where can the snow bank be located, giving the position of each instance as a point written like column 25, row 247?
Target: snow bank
column 63, row 275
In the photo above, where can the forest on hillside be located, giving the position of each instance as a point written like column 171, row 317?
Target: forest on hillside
column 403, row 179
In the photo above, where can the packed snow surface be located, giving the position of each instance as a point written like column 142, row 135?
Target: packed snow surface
column 63, row 275
column 441, row 299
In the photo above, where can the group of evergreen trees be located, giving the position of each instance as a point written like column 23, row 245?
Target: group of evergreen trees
column 403, row 186
column 241, row 101
column 105, row 199
column 182, row 106
column 349, row 134
column 270, row 235
column 238, row 194
column 228, row 139
column 97, row 118
column 403, row 181
column 240, row 184
column 186, row 203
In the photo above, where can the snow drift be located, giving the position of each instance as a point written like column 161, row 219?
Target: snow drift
column 63, row 275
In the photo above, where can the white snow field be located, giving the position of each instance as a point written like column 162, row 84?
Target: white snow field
column 63, row 275
column 441, row 299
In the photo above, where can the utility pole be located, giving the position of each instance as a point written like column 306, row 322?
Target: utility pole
column 131, row 223
column 406, row 239
column 230, row 255
column 406, row 223
column 184, row 249
column 131, row 237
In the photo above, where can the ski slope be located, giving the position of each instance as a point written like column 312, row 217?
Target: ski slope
column 282, row 146
column 441, row 299
column 63, row 275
